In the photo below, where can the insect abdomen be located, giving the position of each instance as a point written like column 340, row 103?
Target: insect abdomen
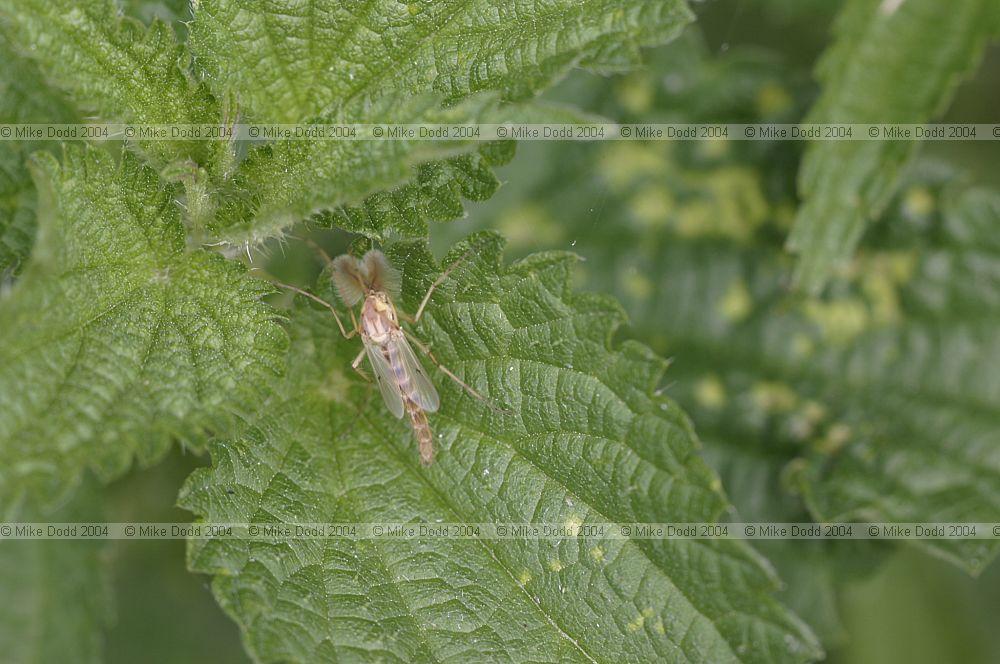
column 425, row 439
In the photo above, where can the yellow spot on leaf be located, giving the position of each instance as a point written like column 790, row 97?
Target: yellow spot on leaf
column 902, row 265
column 840, row 321
column 637, row 285
column 882, row 296
column 836, row 437
column 736, row 303
column 597, row 553
column 774, row 397
column 813, row 411
column 530, row 225
column 524, row 577
column 659, row 627
column 802, row 345
column 918, row 202
column 555, row 565
column 713, row 148
column 731, row 204
column 710, row 392
column 621, row 164
column 772, row 99
column 652, row 206
column 572, row 525
column 636, row 93
column 636, row 624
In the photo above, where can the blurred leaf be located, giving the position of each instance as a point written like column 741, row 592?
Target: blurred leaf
column 183, row 623
column 116, row 338
column 17, row 209
column 893, row 62
column 689, row 237
column 23, row 98
column 918, row 611
column 174, row 12
column 884, row 389
column 56, row 596
column 586, row 441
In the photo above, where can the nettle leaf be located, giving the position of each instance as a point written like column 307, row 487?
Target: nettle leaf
column 436, row 193
column 892, row 414
column 893, row 62
column 57, row 599
column 174, row 12
column 879, row 400
column 281, row 184
column 387, row 61
column 295, row 62
column 770, row 381
column 117, row 69
column 117, row 338
column 585, row 440
column 17, row 209
column 24, row 98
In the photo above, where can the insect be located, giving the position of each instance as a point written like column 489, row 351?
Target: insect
column 404, row 384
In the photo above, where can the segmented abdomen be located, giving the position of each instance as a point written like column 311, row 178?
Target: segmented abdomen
column 425, row 439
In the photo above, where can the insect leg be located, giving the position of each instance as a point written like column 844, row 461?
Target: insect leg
column 315, row 298
column 438, row 282
column 322, row 252
column 446, row 371
column 356, row 365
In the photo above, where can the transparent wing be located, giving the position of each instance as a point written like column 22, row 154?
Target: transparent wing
column 421, row 390
column 386, row 380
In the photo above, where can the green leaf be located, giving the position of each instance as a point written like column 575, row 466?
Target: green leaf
column 23, row 99
column 56, row 596
column 296, row 62
column 893, row 62
column 585, row 441
column 169, row 11
column 392, row 62
column 929, row 452
column 881, row 396
column 116, row 69
column 278, row 185
column 117, row 338
column 17, row 209
column 694, row 253
column 436, row 193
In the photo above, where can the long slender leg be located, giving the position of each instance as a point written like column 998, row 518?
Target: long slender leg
column 322, row 252
column 316, row 298
column 356, row 365
column 438, row 282
column 446, row 371
column 328, row 266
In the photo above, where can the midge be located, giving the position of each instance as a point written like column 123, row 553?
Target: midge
column 402, row 380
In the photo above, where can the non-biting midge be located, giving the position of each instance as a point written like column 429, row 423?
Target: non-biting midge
column 404, row 384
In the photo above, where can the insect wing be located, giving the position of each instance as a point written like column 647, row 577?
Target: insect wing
column 422, row 390
column 348, row 279
column 386, row 380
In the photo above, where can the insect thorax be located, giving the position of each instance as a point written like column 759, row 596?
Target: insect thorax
column 378, row 317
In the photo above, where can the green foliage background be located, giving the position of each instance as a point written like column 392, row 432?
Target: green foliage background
column 831, row 356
